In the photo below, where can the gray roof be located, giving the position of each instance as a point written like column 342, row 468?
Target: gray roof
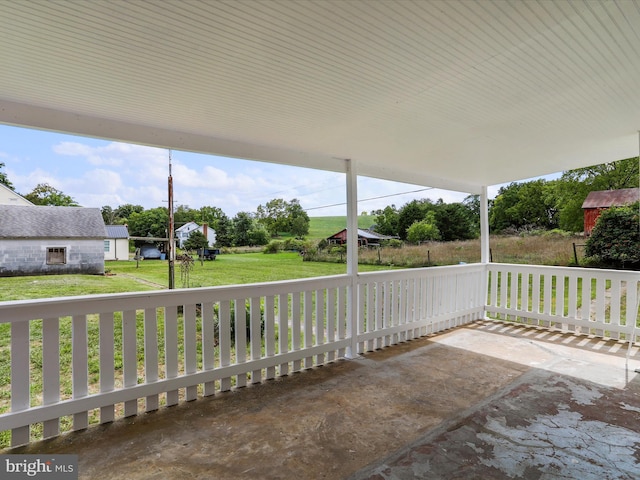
column 368, row 234
column 50, row 222
column 611, row 198
column 117, row 231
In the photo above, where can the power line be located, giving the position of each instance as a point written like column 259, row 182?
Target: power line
column 372, row 198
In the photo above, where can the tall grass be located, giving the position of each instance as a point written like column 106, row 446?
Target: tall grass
column 533, row 250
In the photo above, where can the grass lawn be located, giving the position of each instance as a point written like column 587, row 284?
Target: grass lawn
column 126, row 276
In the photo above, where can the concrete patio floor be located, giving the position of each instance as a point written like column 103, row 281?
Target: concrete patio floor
column 485, row 401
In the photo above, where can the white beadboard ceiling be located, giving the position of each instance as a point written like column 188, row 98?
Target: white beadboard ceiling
column 451, row 94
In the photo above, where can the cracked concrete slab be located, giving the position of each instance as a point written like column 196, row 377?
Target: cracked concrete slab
column 545, row 425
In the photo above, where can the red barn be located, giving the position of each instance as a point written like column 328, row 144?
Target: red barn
column 603, row 199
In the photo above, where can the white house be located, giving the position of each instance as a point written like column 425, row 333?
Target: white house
column 182, row 233
column 116, row 245
column 9, row 197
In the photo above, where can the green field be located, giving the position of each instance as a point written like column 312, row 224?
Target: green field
column 323, row 227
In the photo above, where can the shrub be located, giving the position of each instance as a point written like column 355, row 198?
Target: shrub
column 422, row 231
column 294, row 244
column 556, row 232
column 615, row 239
column 392, row 243
column 274, row 246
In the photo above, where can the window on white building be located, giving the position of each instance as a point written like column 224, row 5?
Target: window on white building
column 56, row 256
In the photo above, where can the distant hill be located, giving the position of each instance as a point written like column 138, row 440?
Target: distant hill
column 323, row 227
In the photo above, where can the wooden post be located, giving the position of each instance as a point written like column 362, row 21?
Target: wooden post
column 171, row 251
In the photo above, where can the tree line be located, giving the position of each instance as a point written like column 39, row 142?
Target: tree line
column 518, row 207
column 536, row 205
column 276, row 217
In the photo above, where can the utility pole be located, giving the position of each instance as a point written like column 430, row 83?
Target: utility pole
column 172, row 255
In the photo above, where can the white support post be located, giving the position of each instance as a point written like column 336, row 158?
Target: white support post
column 485, row 254
column 352, row 258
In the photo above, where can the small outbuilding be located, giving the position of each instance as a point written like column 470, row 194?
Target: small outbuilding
column 602, row 199
column 46, row 240
column 366, row 238
column 116, row 245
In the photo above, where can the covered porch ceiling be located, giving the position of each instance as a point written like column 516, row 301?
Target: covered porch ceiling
column 450, row 94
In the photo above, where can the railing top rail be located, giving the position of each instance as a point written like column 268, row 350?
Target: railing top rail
column 20, row 310
column 423, row 271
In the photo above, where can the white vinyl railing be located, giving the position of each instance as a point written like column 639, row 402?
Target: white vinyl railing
column 603, row 303
column 400, row 305
column 101, row 357
column 80, row 360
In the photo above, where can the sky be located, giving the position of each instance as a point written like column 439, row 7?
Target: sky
column 96, row 173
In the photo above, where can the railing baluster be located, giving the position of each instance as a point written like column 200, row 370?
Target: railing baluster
column 51, row 372
column 107, row 365
column 20, row 378
column 295, row 328
column 129, row 358
column 614, row 319
column 366, row 304
column 331, row 321
column 224, row 334
column 573, row 296
column 256, row 336
column 308, row 325
column 151, row 355
column 171, row 350
column 320, row 319
column 560, row 296
column 402, row 309
column 379, row 309
column 79, row 367
column 208, row 345
column 361, row 323
column 600, row 305
column 240, row 310
column 283, row 329
column 341, row 317
column 190, row 348
column 585, row 312
column 269, row 333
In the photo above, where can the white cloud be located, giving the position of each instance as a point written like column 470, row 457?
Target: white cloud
column 97, row 173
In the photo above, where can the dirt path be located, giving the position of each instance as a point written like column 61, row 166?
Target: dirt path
column 144, row 282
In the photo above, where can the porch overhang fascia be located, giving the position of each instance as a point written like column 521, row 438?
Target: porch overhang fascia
column 74, row 123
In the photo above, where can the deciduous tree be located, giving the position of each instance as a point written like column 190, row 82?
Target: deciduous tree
column 45, row 194
column 149, row 223
column 424, row 230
